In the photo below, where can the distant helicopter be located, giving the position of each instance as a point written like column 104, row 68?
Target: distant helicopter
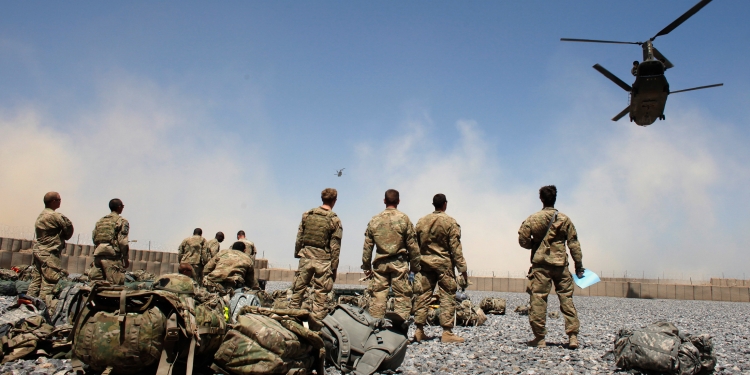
column 649, row 92
column 339, row 172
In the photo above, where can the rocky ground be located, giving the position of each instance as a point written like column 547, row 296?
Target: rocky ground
column 499, row 347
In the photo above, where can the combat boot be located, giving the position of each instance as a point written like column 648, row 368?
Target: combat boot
column 419, row 334
column 573, row 342
column 537, row 342
column 450, row 337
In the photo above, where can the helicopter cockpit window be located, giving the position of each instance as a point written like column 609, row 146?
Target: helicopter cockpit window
column 651, row 69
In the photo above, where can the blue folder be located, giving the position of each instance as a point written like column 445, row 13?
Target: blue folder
column 589, row 278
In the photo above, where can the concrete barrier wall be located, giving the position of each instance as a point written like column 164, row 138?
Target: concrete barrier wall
column 620, row 289
column 78, row 258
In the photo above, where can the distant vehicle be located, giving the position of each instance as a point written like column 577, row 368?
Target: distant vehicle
column 340, row 172
column 648, row 95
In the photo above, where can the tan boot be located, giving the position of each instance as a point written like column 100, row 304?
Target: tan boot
column 573, row 342
column 537, row 342
column 419, row 335
column 449, row 337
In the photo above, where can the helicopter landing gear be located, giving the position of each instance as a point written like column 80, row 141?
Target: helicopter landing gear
column 662, row 117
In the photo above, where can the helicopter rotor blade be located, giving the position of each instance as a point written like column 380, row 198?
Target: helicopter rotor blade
column 667, row 64
column 682, row 18
column 697, row 88
column 597, row 41
column 613, row 78
column 621, row 114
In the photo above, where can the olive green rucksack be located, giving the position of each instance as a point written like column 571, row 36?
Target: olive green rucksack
column 493, row 305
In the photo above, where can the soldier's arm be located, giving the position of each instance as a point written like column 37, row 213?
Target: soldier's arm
column 367, row 249
column 67, row 228
column 335, row 243
column 457, row 252
column 298, row 243
column 415, row 258
column 181, row 250
column 524, row 235
column 210, row 265
column 573, row 244
column 122, row 240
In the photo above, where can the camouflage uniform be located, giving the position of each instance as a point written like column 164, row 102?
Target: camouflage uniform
column 549, row 265
column 212, row 248
column 318, row 246
column 192, row 250
column 228, row 270
column 439, row 240
column 392, row 234
column 52, row 229
column 110, row 237
column 252, row 252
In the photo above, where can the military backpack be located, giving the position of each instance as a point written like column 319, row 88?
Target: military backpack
column 660, row 347
column 493, row 305
column 357, row 342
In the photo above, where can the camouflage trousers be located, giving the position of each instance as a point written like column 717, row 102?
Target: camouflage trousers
column 396, row 275
column 198, row 273
column 110, row 269
column 424, row 283
column 542, row 277
column 319, row 273
column 48, row 270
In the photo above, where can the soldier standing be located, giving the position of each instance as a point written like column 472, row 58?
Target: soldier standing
column 439, row 240
column 318, row 246
column 228, row 270
column 110, row 237
column 192, row 250
column 251, row 251
column 396, row 253
column 545, row 233
column 52, row 230
column 213, row 246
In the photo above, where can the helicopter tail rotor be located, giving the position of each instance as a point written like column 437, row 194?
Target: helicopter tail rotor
column 613, row 78
column 697, row 88
column 621, row 114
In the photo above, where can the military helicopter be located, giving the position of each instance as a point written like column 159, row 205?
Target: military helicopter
column 339, row 172
column 648, row 94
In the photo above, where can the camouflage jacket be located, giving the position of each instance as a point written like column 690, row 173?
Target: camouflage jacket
column 332, row 233
column 119, row 246
column 392, row 234
column 192, row 250
column 550, row 250
column 250, row 248
column 52, row 230
column 439, row 240
column 230, row 265
column 212, row 248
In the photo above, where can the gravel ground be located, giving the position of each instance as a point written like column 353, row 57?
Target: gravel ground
column 498, row 347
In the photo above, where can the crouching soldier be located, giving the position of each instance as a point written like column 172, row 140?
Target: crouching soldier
column 230, row 269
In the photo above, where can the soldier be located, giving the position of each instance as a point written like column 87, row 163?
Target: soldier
column 251, row 251
column 52, row 230
column 396, row 253
column 229, row 269
column 192, row 250
column 545, row 233
column 110, row 237
column 318, row 246
column 439, row 240
column 213, row 246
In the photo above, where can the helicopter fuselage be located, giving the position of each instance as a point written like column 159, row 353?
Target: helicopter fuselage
column 649, row 95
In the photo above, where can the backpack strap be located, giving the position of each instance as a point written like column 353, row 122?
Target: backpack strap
column 343, row 339
column 533, row 252
column 370, row 362
column 170, row 339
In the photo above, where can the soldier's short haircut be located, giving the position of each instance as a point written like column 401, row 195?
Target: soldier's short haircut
column 185, row 269
column 115, row 204
column 241, row 233
column 548, row 195
column 328, row 195
column 239, row 245
column 197, row 232
column 439, row 200
column 50, row 197
column 391, row 196
column 219, row 234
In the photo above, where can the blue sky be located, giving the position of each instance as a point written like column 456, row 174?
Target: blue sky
column 235, row 116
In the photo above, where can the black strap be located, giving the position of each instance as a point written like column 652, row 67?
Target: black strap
column 533, row 251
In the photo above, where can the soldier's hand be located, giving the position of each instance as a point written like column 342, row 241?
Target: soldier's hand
column 579, row 272
column 368, row 273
